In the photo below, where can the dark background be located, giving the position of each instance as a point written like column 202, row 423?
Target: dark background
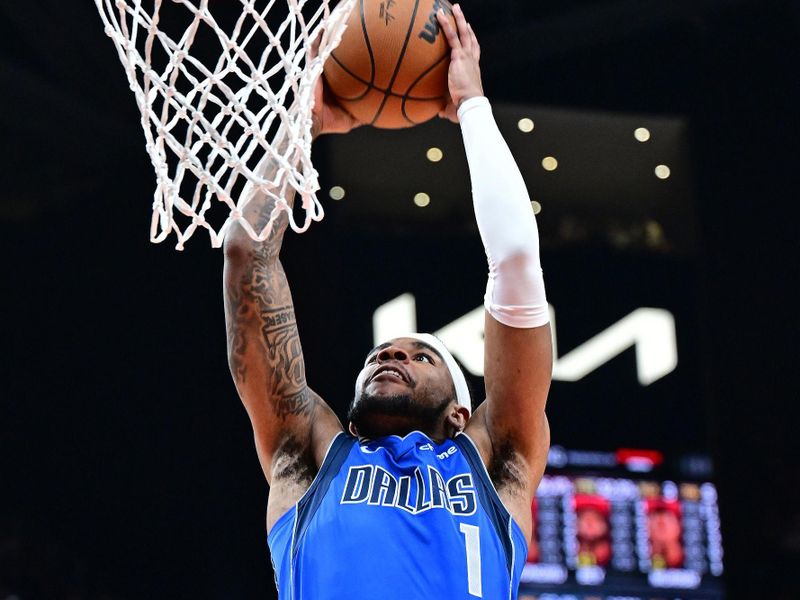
column 127, row 468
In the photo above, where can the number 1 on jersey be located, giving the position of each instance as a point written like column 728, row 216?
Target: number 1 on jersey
column 472, row 538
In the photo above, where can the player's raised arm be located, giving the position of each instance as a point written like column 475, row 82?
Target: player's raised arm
column 511, row 427
column 292, row 425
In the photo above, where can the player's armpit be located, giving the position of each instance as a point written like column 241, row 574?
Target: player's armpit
column 515, row 469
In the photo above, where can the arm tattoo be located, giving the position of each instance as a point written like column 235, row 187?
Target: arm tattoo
column 285, row 355
column 299, row 404
column 261, row 315
column 237, row 319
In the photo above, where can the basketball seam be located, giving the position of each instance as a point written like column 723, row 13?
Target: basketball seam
column 371, row 86
column 399, row 61
column 365, row 31
column 407, row 96
column 369, row 46
column 354, row 76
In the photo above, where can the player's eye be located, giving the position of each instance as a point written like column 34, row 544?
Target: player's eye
column 423, row 358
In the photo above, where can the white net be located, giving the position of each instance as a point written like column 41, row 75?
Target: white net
column 224, row 87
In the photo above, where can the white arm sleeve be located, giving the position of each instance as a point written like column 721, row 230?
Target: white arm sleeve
column 515, row 293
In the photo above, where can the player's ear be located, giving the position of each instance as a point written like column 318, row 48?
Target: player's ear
column 458, row 417
column 352, row 429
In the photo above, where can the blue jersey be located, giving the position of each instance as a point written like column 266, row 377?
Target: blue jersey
column 398, row 519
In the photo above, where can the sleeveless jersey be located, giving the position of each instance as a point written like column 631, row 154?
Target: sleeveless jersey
column 398, row 519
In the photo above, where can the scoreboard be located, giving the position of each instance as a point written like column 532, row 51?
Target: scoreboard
column 611, row 524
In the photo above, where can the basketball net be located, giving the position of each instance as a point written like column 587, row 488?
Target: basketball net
column 220, row 101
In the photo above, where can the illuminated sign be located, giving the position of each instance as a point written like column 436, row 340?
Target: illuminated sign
column 651, row 331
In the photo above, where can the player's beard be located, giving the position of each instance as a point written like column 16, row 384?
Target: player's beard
column 366, row 410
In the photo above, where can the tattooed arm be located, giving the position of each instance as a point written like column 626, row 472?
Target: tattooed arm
column 293, row 427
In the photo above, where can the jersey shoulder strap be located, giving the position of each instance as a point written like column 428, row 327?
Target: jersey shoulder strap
column 309, row 503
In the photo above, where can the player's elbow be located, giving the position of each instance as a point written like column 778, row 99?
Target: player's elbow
column 240, row 250
column 236, row 250
column 522, row 264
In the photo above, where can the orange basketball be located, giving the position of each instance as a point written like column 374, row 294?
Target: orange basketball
column 390, row 71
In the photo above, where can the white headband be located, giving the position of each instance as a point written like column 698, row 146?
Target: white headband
column 459, row 381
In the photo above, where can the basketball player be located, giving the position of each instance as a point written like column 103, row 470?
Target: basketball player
column 420, row 497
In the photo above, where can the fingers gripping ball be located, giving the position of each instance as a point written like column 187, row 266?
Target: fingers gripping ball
column 390, row 70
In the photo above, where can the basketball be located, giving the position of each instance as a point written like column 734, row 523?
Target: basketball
column 390, row 70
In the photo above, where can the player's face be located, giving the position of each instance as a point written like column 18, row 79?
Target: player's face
column 404, row 384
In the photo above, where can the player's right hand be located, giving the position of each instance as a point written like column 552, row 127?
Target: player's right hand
column 464, row 77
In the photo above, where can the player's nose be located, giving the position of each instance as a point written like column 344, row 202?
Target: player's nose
column 393, row 353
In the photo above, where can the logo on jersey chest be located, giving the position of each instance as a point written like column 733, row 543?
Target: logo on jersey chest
column 417, row 493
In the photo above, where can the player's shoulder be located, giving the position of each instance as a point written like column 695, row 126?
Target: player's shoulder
column 514, row 474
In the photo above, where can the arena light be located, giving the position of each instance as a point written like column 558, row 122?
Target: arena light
column 526, row 125
column 422, row 199
column 549, row 163
column 537, row 208
column 642, row 134
column 663, row 172
column 434, row 154
column 336, row 193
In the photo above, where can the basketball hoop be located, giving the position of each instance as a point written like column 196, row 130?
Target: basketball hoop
column 223, row 93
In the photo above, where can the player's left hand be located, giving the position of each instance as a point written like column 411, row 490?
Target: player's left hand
column 327, row 115
column 464, row 76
